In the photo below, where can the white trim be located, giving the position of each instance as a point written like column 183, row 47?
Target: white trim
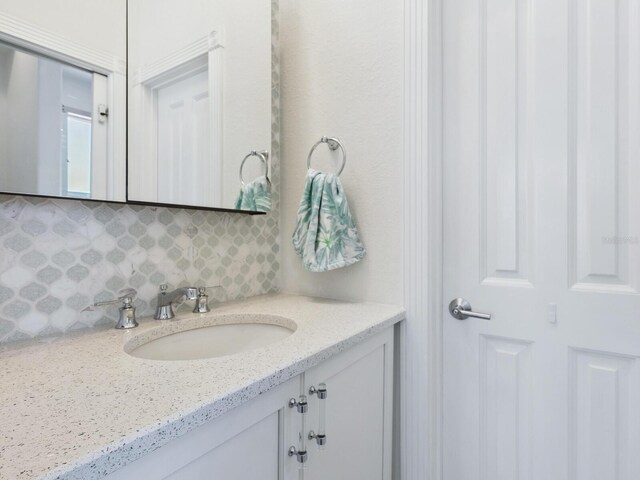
column 185, row 55
column 26, row 35
column 421, row 334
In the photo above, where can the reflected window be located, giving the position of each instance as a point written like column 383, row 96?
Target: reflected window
column 77, row 147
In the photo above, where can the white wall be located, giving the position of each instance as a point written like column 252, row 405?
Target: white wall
column 342, row 75
column 21, row 161
column 6, row 59
column 97, row 24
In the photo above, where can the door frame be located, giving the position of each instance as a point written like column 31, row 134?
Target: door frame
column 421, row 361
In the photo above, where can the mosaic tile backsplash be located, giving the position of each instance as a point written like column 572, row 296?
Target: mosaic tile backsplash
column 59, row 256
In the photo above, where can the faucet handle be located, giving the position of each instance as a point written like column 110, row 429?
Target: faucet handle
column 202, row 302
column 125, row 297
column 127, row 318
column 163, row 288
column 203, row 289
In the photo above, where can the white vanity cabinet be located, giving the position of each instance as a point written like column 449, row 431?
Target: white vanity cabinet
column 359, row 386
column 253, row 440
column 242, row 444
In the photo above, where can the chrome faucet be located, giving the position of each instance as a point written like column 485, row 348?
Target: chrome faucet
column 164, row 310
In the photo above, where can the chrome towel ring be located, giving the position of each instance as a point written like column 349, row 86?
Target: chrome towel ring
column 333, row 144
column 263, row 156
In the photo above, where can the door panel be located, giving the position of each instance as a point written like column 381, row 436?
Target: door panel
column 542, row 230
column 183, row 140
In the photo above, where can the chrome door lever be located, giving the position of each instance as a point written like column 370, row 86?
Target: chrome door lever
column 461, row 309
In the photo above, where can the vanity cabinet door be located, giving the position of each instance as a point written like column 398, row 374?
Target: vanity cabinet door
column 359, row 385
column 248, row 442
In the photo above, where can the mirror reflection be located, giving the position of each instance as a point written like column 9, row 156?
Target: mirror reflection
column 53, row 137
column 200, row 103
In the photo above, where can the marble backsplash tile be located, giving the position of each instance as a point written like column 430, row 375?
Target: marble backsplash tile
column 58, row 256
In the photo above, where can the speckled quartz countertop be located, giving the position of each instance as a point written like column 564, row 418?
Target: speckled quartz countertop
column 79, row 407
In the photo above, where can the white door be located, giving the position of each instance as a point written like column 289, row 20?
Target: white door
column 542, row 231
column 184, row 153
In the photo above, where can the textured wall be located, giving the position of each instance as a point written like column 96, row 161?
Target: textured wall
column 342, row 75
column 58, row 256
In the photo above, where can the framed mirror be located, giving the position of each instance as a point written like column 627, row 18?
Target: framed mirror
column 200, row 103
column 62, row 99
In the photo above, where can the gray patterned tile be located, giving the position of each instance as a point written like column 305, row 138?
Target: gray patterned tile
column 126, row 243
column 115, row 283
column 183, row 264
column 5, row 294
column 34, row 227
column 77, row 273
column 6, row 327
column 34, row 259
column 65, row 228
column 49, row 304
column 17, row 243
column 104, row 213
column 33, row 292
column 78, row 213
column 148, row 267
column 147, row 216
column 157, row 278
column 16, row 309
column 165, row 241
column 5, row 226
column 64, row 258
column 115, row 228
column 147, row 242
column 137, row 280
column 49, row 275
column 77, row 301
column 91, row 257
column 174, row 230
column 174, row 253
column 116, row 256
column 165, row 217
column 137, row 229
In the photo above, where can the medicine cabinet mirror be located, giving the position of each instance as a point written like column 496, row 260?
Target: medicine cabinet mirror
column 199, row 102
column 62, row 98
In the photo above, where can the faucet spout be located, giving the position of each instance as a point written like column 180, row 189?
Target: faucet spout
column 164, row 310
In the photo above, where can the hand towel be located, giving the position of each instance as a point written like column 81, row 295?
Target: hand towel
column 255, row 196
column 325, row 236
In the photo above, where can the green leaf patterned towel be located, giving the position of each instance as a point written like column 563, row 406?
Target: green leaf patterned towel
column 255, row 196
column 326, row 237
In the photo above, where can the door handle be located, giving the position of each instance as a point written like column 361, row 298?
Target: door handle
column 461, row 309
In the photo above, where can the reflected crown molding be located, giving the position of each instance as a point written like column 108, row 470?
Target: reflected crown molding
column 189, row 53
column 27, row 35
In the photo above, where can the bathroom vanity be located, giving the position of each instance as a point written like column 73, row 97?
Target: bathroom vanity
column 89, row 408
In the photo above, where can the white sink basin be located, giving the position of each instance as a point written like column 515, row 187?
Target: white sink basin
column 210, row 337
